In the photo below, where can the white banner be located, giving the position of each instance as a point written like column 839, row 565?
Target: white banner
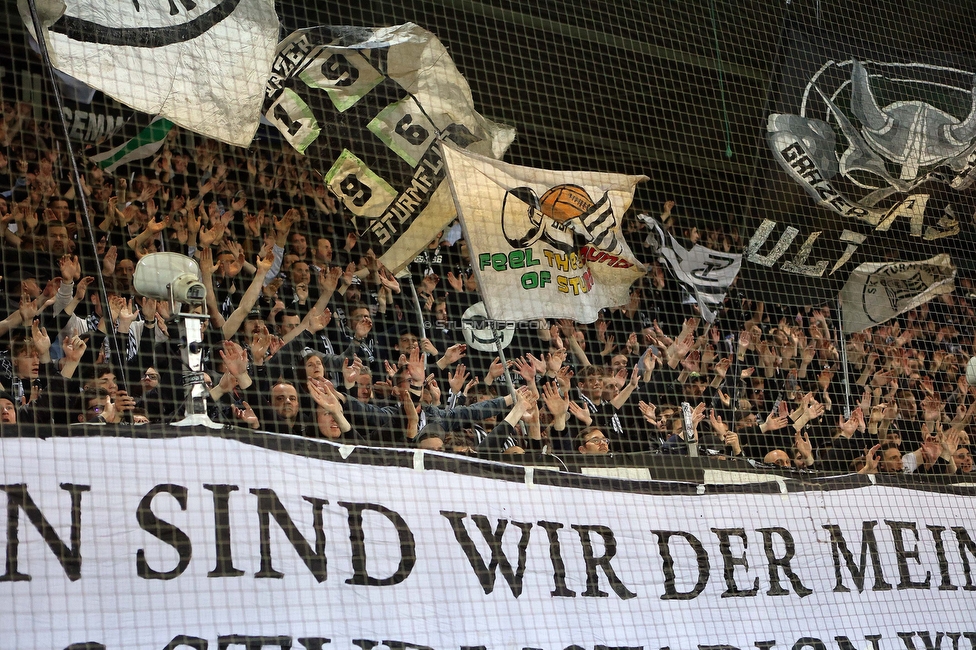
column 205, row 542
column 545, row 244
column 876, row 292
column 202, row 64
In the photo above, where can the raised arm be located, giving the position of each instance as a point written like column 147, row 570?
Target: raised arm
column 250, row 298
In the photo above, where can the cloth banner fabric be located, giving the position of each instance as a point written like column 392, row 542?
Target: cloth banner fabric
column 876, row 292
column 207, row 542
column 146, row 143
column 203, row 67
column 545, row 244
column 871, row 159
column 706, row 273
column 392, row 91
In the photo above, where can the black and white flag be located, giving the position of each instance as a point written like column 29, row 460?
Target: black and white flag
column 706, row 273
column 368, row 106
column 201, row 64
column 871, row 160
column 878, row 292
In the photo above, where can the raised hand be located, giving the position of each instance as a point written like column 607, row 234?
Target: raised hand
column 525, row 368
column 871, row 461
column 351, row 371
column 775, row 421
column 246, row 414
column 554, row 360
column 110, row 258
column 70, row 268
column 388, row 280
column 234, row 358
column 557, row 404
column 721, row 368
column 319, row 320
column 813, row 410
column 127, row 314
column 42, row 342
column 415, row 367
column 601, row 331
column 649, row 411
column 434, row 389
column 455, row 281
column 207, row 266
column 631, row 346
column 580, row 413
column 803, row 445
column 265, row 263
column 28, row 309
column 319, row 390
column 849, row 426
column 74, row 348
column 429, row 283
column 458, row 378
column 260, row 344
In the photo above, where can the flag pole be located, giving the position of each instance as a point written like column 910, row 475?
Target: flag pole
column 843, row 357
column 477, row 275
column 113, row 330
column 420, row 314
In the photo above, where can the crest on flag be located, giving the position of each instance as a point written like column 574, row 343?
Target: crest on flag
column 562, row 212
column 864, row 138
column 878, row 292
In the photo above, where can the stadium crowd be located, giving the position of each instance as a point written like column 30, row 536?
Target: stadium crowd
column 310, row 335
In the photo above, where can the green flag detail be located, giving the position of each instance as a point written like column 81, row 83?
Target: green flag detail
column 146, row 143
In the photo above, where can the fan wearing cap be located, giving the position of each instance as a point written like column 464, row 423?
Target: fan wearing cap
column 8, row 409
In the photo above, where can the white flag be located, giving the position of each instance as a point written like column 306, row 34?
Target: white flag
column 545, row 244
column 706, row 273
column 202, row 64
column 877, row 292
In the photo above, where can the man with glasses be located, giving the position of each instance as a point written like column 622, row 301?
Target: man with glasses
column 592, row 441
column 99, row 407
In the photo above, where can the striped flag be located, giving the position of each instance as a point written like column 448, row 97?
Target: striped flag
column 146, row 143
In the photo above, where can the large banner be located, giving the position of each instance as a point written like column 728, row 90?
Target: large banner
column 387, row 93
column 871, row 159
column 201, row 64
column 205, row 542
column 544, row 244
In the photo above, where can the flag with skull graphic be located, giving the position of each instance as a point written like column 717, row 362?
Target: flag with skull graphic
column 871, row 159
column 544, row 244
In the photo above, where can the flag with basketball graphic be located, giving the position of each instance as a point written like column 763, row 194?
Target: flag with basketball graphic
column 544, row 244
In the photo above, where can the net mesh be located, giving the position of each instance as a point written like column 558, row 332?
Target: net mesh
column 708, row 303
